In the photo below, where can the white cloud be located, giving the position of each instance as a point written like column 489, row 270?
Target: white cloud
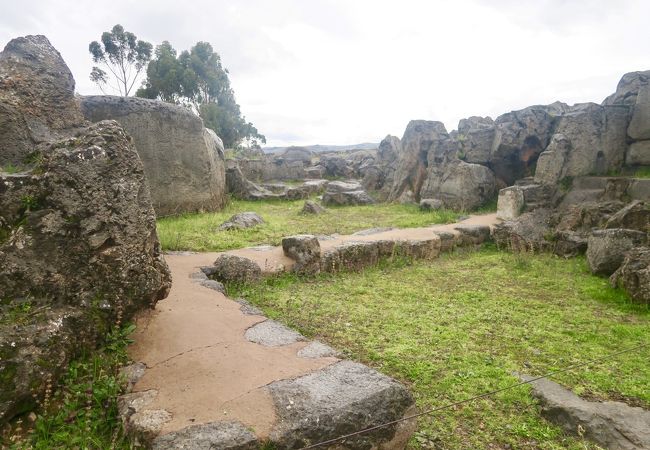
column 350, row 71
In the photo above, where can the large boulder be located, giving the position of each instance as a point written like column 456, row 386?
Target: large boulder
column 475, row 137
column 460, row 185
column 379, row 176
column 183, row 161
column 638, row 154
column 589, row 139
column 37, row 103
column 347, row 198
column 634, row 275
column 241, row 221
column 634, row 216
column 628, row 88
column 421, row 138
column 520, row 137
column 639, row 128
column 606, row 248
column 304, row 249
column 297, row 154
column 78, row 248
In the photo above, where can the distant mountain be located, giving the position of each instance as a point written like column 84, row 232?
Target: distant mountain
column 326, row 148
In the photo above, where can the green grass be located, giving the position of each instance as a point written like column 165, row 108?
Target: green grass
column 643, row 172
column 82, row 411
column 462, row 325
column 199, row 232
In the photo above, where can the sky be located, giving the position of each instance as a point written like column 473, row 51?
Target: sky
column 352, row 71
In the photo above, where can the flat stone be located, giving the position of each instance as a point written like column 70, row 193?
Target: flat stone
column 248, row 309
column 316, row 349
column 342, row 398
column 214, row 285
column 209, row 436
column 371, row 231
column 613, row 425
column 272, row 334
column 241, row 221
column 132, row 373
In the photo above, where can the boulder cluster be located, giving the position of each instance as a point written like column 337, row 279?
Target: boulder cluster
column 79, row 253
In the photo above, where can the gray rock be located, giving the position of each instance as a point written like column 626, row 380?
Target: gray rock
column 371, row 231
column 431, row 204
column 407, row 198
column 606, row 248
column 84, row 251
column 304, row 249
column 613, row 425
column 421, row 137
column 569, row 244
column 132, row 374
column 214, row 285
column 248, row 309
column 475, row 137
column 351, row 255
column 37, row 102
column 335, row 166
column 140, row 422
column 340, row 399
column 183, row 161
column 520, row 137
column 639, row 128
column 418, row 248
column 235, row 269
column 528, row 232
column 311, row 207
column 199, row 275
column 347, row 198
column 272, row 334
column 638, row 154
column 447, row 240
column 241, row 221
column 459, row 185
column 209, row 436
column 628, row 89
column 380, row 175
column 634, row 216
column 593, row 141
column 472, row 234
column 301, row 154
column 511, row 203
column 343, row 186
column 634, row 275
column 316, row 349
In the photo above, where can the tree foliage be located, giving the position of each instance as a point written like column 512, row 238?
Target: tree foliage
column 123, row 55
column 197, row 79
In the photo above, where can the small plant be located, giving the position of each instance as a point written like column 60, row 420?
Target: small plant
column 29, row 203
column 642, row 172
column 9, row 168
column 82, row 412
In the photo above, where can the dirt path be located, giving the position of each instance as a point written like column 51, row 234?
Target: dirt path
column 200, row 366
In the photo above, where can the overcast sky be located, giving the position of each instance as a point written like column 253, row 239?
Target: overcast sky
column 351, row 71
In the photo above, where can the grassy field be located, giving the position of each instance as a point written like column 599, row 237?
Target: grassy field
column 199, row 232
column 462, row 325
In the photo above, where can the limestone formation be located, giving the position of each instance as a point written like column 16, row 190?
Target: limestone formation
column 380, row 175
column 37, row 103
column 612, row 425
column 337, row 400
column 634, row 275
column 606, row 248
column 511, row 203
column 78, row 243
column 305, row 251
column 241, row 221
column 475, row 137
column 639, row 128
column 590, row 139
column 420, row 138
column 628, row 89
column 230, row 268
column 311, row 207
column 183, row 161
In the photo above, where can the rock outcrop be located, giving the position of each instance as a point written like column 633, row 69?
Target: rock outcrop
column 37, row 102
column 634, row 275
column 183, row 161
column 78, row 245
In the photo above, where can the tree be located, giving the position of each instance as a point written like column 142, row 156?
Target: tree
column 123, row 55
column 197, row 79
